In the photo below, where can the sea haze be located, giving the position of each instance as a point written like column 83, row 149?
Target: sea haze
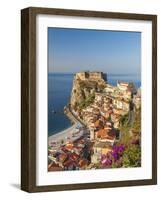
column 59, row 90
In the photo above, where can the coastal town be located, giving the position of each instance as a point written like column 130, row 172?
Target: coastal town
column 106, row 126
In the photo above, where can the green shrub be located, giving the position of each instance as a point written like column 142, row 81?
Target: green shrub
column 124, row 120
column 86, row 102
column 132, row 156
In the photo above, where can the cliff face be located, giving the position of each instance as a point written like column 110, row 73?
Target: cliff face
column 84, row 88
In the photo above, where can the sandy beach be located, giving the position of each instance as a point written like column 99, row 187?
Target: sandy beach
column 69, row 134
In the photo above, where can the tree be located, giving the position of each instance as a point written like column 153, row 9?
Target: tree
column 62, row 141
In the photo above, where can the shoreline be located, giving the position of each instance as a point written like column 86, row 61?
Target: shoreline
column 55, row 141
column 62, row 132
column 69, row 134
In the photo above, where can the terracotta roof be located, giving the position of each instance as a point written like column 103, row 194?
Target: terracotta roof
column 54, row 167
column 98, row 123
column 104, row 134
column 74, row 156
column 69, row 163
column 69, row 146
column 83, row 162
column 62, row 157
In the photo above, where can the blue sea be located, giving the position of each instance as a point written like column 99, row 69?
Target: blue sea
column 59, row 90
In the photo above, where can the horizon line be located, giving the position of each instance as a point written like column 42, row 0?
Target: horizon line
column 94, row 71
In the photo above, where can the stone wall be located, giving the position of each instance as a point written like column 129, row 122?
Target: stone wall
column 91, row 75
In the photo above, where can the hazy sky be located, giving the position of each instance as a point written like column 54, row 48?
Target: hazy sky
column 113, row 52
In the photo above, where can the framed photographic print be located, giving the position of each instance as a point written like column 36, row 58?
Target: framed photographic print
column 88, row 99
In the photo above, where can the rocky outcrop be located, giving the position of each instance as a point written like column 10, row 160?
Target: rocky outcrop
column 84, row 87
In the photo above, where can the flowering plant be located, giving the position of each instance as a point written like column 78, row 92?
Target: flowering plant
column 123, row 156
column 113, row 158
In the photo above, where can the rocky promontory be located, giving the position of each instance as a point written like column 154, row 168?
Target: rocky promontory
column 85, row 84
